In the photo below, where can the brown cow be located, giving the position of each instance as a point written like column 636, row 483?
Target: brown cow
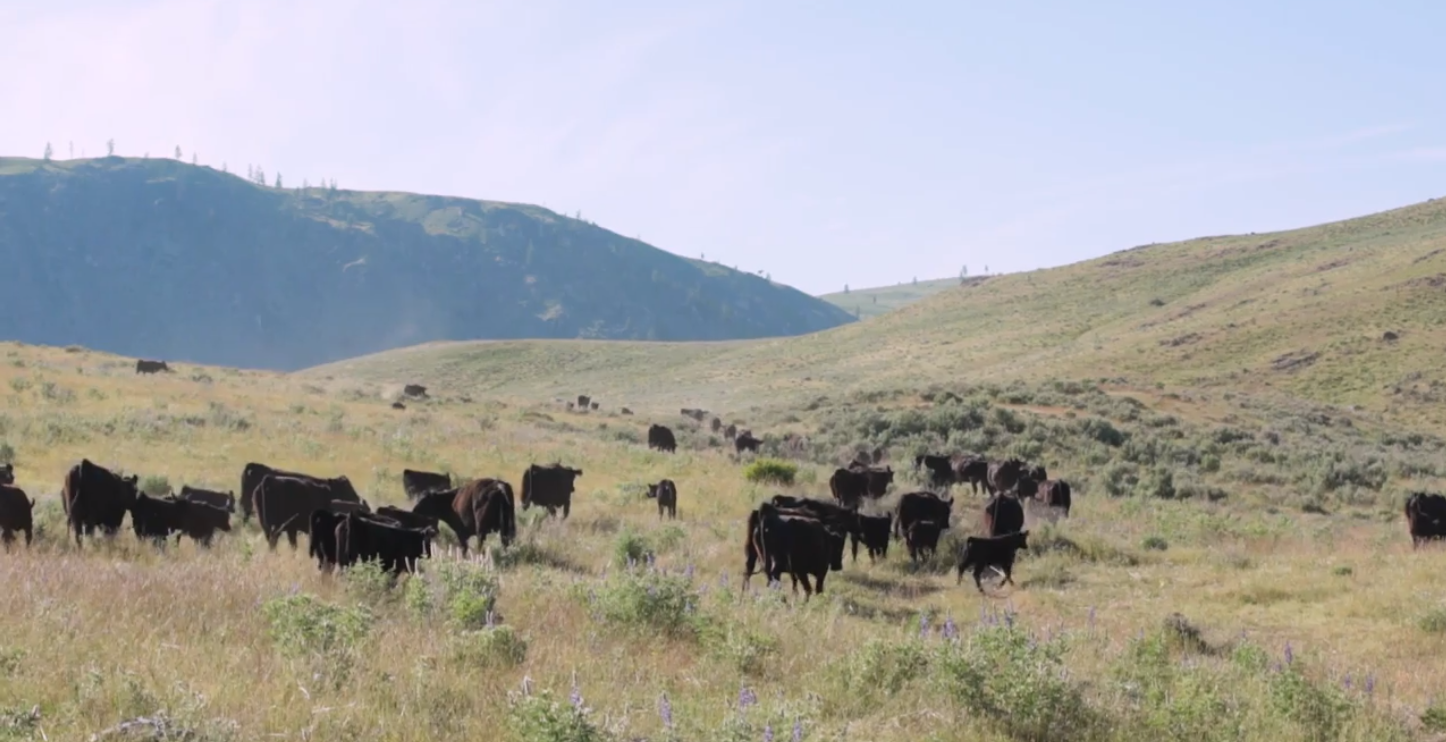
column 477, row 508
column 549, row 487
column 666, row 493
column 16, row 510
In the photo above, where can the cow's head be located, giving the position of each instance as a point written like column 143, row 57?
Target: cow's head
column 7, row 474
column 652, row 491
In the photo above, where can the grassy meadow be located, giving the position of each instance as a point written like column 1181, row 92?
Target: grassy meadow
column 871, row 302
column 1235, row 567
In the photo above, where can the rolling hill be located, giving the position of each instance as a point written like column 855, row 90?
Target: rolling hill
column 153, row 257
column 1303, row 313
column 872, row 302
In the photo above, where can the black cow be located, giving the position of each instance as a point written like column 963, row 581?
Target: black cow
column 223, row 500
column 479, row 507
column 405, row 518
column 873, row 531
column 661, row 438
column 549, row 487
column 321, row 538
column 792, row 543
column 997, row 552
column 840, row 522
column 922, row 539
column 848, row 487
column 1425, row 517
column 397, row 405
column 285, row 503
column 746, row 442
column 96, row 497
column 415, row 390
column 940, row 468
column 151, row 367
column 16, row 511
column 666, row 493
column 583, row 401
column 731, row 432
column 625, row 411
column 1038, row 473
column 1003, row 475
column 1051, row 493
column 252, row 475
column 157, row 518
column 361, row 538
column 974, row 471
column 418, row 483
column 1003, row 515
column 201, row 521
column 7, row 474
column 917, row 506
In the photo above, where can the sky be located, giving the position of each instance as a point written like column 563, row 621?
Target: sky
column 826, row 143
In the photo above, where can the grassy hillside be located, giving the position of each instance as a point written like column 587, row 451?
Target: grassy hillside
column 1302, row 314
column 872, row 302
column 162, row 259
column 1300, row 610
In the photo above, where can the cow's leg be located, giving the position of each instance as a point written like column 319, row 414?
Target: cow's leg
column 291, row 537
column 1008, row 574
column 818, row 578
column 978, row 571
column 566, row 510
column 854, row 544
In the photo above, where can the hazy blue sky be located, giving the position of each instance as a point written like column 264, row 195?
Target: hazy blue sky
column 825, row 142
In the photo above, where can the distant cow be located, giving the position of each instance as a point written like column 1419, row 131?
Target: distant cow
column 922, row 539
column 583, row 401
column 151, row 367
column 397, row 405
column 731, row 432
column 746, row 442
column 1051, row 493
column 415, row 390
column 549, row 487
column 360, row 538
column 95, row 497
column 795, row 544
column 661, row 438
column 285, row 504
column 916, row 506
column 7, row 474
column 695, row 414
column 418, row 483
column 223, row 500
column 998, row 552
column 1003, row 515
column 666, row 493
column 873, row 531
column 715, row 425
column 940, row 468
column 839, row 521
column 16, row 510
column 156, row 518
column 1425, row 517
column 253, row 473
column 848, row 487
column 405, row 518
column 974, row 471
column 476, row 508
column 625, row 411
column 878, row 480
column 1003, row 475
column 321, row 538
column 1038, row 473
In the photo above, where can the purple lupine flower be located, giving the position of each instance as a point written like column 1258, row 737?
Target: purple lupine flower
column 797, row 730
column 665, row 711
column 1346, row 681
column 1370, row 684
column 950, row 630
column 688, row 572
column 768, row 733
column 1289, row 655
column 746, row 698
column 923, row 626
column 575, row 696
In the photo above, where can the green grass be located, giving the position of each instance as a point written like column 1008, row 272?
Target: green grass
column 872, row 302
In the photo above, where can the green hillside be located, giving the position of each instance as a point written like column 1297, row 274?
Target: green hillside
column 866, row 303
column 1303, row 313
column 153, row 257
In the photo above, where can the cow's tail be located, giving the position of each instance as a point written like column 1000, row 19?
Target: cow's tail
column 527, row 488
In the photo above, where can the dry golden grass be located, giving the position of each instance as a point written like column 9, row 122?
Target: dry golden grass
column 118, row 631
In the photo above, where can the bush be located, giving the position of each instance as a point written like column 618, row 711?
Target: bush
column 765, row 471
column 542, row 718
column 155, row 485
column 631, row 549
column 326, row 636
column 465, row 592
column 366, row 582
column 493, row 646
column 647, row 600
column 1434, row 621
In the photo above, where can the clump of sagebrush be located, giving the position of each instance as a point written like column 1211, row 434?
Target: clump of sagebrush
column 463, row 592
column 366, row 582
column 155, row 485
column 542, row 717
column 771, row 471
column 324, row 636
column 646, row 599
column 631, row 548
column 496, row 645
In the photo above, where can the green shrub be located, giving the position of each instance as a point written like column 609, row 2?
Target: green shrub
column 771, row 471
column 646, row 600
column 155, row 485
column 1155, row 543
column 466, row 593
column 540, row 717
column 326, row 636
column 631, row 549
column 366, row 582
column 493, row 646
column 1434, row 620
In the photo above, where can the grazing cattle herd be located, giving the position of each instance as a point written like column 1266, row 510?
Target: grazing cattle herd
column 801, row 536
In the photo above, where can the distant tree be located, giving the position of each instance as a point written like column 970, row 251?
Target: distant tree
column 224, row 168
column 846, row 288
column 986, row 270
column 260, row 176
column 333, row 184
column 178, row 152
column 72, row 150
column 304, row 184
column 48, row 151
column 146, row 155
column 110, row 148
column 278, row 180
column 250, row 173
column 964, row 272
column 916, row 280
column 193, row 158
